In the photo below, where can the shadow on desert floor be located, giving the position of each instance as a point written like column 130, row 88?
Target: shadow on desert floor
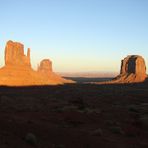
column 74, row 116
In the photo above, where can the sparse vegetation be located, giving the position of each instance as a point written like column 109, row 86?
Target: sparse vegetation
column 30, row 138
column 117, row 130
column 133, row 108
column 58, row 146
column 97, row 132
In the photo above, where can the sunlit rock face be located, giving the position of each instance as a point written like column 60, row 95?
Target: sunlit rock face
column 18, row 72
column 14, row 55
column 45, row 66
column 133, row 69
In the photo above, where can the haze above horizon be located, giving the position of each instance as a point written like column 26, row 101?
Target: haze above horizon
column 77, row 35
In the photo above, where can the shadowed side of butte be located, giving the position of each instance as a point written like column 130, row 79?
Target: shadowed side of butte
column 133, row 70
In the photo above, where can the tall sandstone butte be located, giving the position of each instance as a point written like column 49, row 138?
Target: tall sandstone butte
column 14, row 55
column 18, row 72
column 133, row 69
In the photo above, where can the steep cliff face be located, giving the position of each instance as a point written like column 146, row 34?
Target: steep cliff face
column 18, row 72
column 45, row 66
column 133, row 69
column 14, row 55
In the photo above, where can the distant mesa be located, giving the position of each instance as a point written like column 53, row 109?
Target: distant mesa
column 133, row 69
column 18, row 71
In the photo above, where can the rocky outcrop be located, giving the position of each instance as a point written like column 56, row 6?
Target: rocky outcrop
column 45, row 66
column 45, row 70
column 133, row 69
column 14, row 55
column 18, row 72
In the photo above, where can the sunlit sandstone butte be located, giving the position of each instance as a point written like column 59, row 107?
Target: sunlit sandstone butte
column 18, row 71
column 133, row 70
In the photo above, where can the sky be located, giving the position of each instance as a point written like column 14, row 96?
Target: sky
column 77, row 35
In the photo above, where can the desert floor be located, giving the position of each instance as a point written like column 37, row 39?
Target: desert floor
column 74, row 116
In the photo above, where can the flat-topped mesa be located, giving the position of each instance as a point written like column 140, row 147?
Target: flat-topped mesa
column 14, row 55
column 45, row 66
column 133, row 69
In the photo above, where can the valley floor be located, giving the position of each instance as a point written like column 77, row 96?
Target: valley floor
column 74, row 116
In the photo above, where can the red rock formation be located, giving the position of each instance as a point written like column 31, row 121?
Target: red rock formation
column 133, row 69
column 45, row 66
column 45, row 70
column 14, row 55
column 18, row 72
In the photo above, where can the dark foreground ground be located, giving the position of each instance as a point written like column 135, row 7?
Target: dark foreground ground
column 74, row 116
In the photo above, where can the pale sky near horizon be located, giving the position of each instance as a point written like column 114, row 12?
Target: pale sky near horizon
column 77, row 35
